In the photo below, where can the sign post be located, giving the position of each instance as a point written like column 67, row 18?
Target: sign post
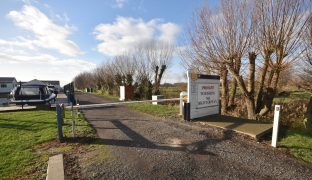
column 277, row 110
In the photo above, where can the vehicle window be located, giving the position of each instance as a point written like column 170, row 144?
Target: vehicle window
column 29, row 91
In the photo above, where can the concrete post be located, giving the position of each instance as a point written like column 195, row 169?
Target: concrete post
column 59, row 121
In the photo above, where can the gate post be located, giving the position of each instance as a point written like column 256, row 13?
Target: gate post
column 73, row 119
column 183, row 94
column 59, row 118
column 63, row 110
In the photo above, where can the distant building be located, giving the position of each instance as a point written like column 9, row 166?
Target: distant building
column 6, row 86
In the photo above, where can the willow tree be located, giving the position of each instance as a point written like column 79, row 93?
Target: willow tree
column 153, row 59
column 220, row 40
column 281, row 27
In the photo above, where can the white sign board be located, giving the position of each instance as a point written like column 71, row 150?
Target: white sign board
column 203, row 94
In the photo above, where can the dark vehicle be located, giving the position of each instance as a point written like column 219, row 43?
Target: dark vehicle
column 32, row 93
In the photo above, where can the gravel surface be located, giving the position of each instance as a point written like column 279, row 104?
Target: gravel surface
column 146, row 147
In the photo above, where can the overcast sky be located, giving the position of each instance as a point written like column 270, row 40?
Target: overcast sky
column 57, row 39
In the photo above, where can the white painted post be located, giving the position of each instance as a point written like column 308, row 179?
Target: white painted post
column 122, row 92
column 277, row 110
column 182, row 94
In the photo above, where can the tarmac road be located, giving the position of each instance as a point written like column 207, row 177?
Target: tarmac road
column 145, row 147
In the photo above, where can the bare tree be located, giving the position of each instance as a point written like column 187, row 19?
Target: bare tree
column 153, row 58
column 281, row 27
column 84, row 80
column 125, row 66
column 245, row 34
column 220, row 41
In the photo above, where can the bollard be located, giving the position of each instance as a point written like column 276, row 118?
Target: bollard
column 59, row 121
column 277, row 110
column 73, row 119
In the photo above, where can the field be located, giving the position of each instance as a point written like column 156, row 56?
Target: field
column 21, row 133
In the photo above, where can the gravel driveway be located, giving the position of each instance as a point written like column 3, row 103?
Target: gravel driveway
column 145, row 147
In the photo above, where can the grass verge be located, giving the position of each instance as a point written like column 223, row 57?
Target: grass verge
column 165, row 111
column 299, row 143
column 107, row 96
column 21, row 132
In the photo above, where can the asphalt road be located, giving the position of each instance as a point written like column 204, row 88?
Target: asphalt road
column 145, row 147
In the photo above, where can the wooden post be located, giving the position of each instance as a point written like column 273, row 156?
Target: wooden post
column 277, row 110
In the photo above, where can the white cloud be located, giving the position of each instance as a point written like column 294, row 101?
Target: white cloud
column 26, row 57
column 126, row 32
column 168, row 32
column 42, row 66
column 47, row 34
column 120, row 3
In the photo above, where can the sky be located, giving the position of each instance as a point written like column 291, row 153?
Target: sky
column 57, row 39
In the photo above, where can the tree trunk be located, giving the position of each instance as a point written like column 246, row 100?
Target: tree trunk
column 224, row 89
column 308, row 115
column 275, row 80
column 232, row 93
column 267, row 101
column 250, row 101
column 248, row 92
column 156, row 80
column 250, row 104
column 269, row 80
column 251, row 74
column 237, row 66
column 259, row 102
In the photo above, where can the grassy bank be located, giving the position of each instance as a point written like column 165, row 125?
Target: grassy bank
column 299, row 143
column 21, row 132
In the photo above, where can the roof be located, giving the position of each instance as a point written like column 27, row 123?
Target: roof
column 7, row 79
column 34, row 82
column 56, row 83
